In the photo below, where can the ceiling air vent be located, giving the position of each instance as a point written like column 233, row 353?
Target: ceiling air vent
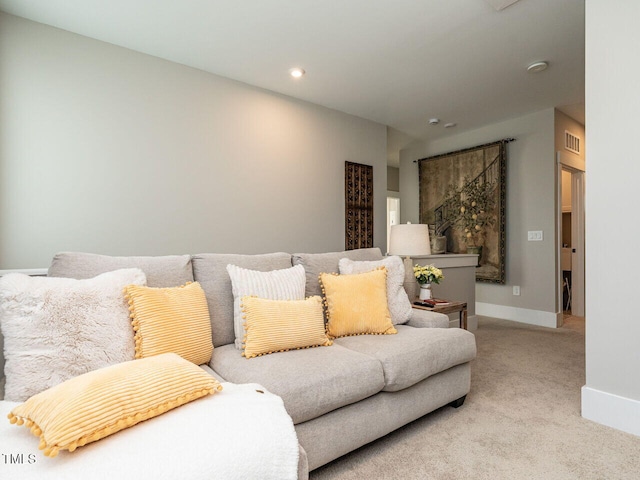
column 571, row 142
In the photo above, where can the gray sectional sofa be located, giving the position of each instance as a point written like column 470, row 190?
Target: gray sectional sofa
column 339, row 397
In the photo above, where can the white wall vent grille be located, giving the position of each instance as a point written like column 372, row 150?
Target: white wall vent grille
column 571, row 142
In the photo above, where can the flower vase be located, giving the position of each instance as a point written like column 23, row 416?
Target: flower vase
column 425, row 291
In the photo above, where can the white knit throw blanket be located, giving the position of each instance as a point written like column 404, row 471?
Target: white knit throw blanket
column 238, row 433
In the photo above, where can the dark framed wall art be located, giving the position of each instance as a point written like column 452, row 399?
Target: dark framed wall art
column 462, row 199
column 358, row 201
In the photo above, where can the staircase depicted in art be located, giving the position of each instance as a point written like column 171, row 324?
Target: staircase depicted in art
column 448, row 211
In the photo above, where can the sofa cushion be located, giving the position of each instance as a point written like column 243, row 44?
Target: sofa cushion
column 210, row 270
column 316, row 263
column 100, row 403
column 171, row 320
column 282, row 284
column 311, row 382
column 397, row 299
column 165, row 271
column 58, row 328
column 414, row 353
column 281, row 325
column 357, row 304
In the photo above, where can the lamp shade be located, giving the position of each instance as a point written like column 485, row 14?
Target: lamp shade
column 410, row 240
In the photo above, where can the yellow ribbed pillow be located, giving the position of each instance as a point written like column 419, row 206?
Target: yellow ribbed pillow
column 280, row 325
column 171, row 320
column 357, row 304
column 92, row 406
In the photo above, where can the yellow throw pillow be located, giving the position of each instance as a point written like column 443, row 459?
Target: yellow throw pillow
column 171, row 320
column 97, row 404
column 280, row 325
column 357, row 304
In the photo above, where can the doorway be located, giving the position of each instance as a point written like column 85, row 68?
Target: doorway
column 570, row 265
column 393, row 215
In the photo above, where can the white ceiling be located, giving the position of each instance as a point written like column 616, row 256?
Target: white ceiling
column 396, row 62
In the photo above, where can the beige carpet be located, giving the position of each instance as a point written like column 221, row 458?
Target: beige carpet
column 520, row 421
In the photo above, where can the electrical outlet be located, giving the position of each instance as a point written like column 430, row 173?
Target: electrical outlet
column 516, row 289
column 534, row 236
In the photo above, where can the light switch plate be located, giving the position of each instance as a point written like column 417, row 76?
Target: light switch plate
column 534, row 235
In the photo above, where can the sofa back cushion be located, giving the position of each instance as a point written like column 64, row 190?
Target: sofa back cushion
column 316, row 263
column 397, row 299
column 164, row 271
column 210, row 270
column 283, row 284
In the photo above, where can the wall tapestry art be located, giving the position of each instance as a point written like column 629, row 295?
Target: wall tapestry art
column 462, row 199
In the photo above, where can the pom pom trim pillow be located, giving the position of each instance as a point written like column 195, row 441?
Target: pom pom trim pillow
column 280, row 325
column 171, row 320
column 102, row 402
column 283, row 284
column 397, row 299
column 357, row 304
column 57, row 328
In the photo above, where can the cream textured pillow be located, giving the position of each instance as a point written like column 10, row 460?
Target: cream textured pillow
column 280, row 325
column 57, row 328
column 99, row 403
column 284, row 284
column 172, row 320
column 397, row 299
column 357, row 304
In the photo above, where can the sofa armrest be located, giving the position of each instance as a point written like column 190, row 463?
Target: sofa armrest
column 426, row 319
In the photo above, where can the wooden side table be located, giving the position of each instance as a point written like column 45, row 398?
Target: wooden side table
column 452, row 307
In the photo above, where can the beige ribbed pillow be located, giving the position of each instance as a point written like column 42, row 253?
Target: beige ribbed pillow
column 171, row 320
column 102, row 402
column 357, row 304
column 280, row 325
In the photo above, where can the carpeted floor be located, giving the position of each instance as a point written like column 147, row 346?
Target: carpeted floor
column 521, row 420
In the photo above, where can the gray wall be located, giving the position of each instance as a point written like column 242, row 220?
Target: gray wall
column 530, row 205
column 393, row 179
column 106, row 150
column 612, row 105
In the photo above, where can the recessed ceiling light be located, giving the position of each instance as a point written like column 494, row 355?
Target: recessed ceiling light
column 296, row 72
column 449, row 125
column 537, row 67
column 434, row 121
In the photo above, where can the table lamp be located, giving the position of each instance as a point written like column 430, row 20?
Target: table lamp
column 409, row 240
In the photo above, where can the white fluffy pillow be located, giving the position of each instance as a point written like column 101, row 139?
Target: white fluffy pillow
column 285, row 284
column 397, row 299
column 58, row 328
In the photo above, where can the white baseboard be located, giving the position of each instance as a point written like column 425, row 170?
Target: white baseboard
column 516, row 314
column 611, row 410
